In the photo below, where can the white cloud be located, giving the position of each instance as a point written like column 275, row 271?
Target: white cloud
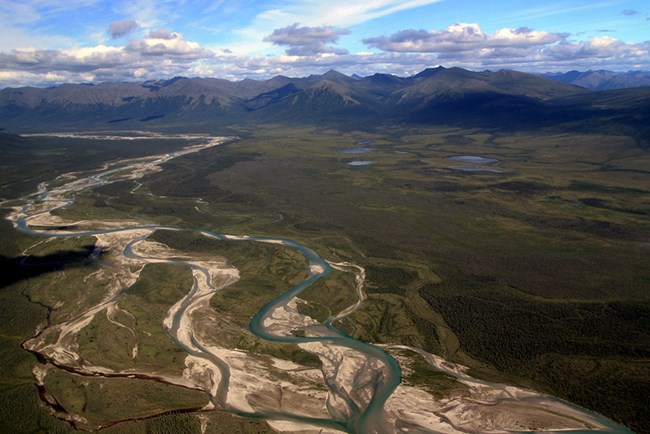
column 307, row 41
column 170, row 47
column 523, row 37
column 461, row 37
column 161, row 58
column 163, row 53
column 136, row 59
column 532, row 50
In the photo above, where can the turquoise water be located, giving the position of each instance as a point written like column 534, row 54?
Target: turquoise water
column 355, row 150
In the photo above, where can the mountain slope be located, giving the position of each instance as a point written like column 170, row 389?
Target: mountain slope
column 507, row 99
column 456, row 95
column 603, row 80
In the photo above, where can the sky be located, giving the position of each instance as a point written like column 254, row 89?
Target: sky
column 45, row 43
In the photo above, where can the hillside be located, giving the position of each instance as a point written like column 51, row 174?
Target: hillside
column 602, row 79
column 506, row 99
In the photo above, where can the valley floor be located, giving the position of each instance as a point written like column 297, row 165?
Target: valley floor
column 411, row 286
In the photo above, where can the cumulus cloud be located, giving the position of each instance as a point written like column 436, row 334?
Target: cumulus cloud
column 162, row 34
column 176, row 48
column 139, row 58
column 308, row 41
column 467, row 45
column 596, row 53
column 54, row 61
column 601, row 47
column 163, row 53
column 118, row 29
column 461, row 37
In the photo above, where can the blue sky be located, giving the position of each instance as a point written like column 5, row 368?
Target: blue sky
column 50, row 42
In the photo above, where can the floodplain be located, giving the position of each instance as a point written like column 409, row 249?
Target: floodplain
column 535, row 276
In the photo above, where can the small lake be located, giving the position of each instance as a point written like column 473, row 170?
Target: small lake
column 477, row 169
column 355, row 150
column 359, row 163
column 472, row 159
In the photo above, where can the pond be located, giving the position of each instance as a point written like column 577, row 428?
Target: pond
column 355, row 150
column 477, row 169
column 472, row 159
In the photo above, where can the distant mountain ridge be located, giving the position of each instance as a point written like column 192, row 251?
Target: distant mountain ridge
column 506, row 98
column 602, row 79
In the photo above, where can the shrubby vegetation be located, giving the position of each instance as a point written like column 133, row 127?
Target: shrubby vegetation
column 571, row 347
column 419, row 373
column 389, row 279
column 20, row 407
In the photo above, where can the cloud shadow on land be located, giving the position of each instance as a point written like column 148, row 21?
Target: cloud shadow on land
column 27, row 266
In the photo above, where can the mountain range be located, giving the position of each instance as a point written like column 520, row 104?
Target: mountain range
column 602, row 80
column 449, row 96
